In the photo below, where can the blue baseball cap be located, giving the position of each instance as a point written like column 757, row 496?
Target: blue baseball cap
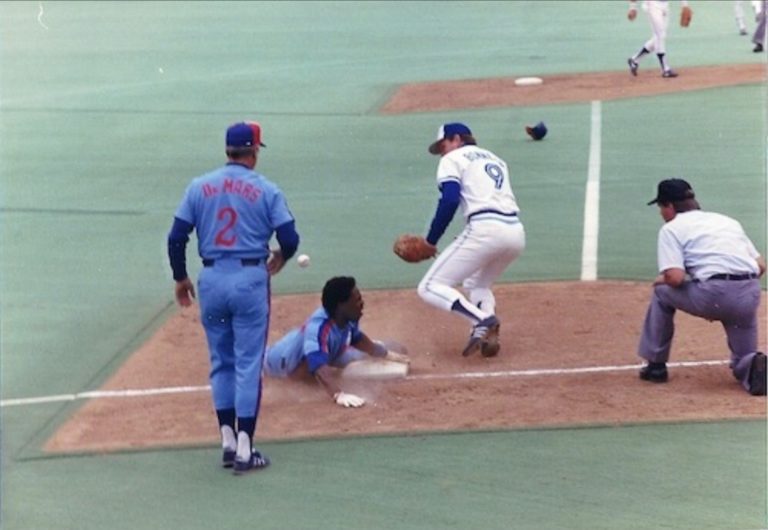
column 538, row 131
column 448, row 130
column 244, row 134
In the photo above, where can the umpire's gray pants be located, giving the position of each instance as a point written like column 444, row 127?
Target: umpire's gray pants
column 732, row 303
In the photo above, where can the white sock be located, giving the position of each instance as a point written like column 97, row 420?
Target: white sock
column 243, row 446
column 228, row 441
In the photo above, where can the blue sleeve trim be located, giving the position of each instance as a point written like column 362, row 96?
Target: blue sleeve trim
column 288, row 239
column 446, row 208
column 315, row 360
column 177, row 247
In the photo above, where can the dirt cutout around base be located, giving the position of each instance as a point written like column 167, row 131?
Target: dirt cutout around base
column 549, row 332
column 583, row 87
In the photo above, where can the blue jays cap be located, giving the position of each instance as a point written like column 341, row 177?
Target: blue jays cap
column 244, row 134
column 538, row 131
column 447, row 131
column 673, row 190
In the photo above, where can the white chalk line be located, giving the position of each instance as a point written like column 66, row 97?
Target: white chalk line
column 592, row 198
column 101, row 394
column 559, row 371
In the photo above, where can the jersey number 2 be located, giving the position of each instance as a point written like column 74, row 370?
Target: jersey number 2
column 496, row 174
column 226, row 237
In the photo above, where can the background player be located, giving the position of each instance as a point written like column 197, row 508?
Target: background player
column 723, row 266
column 759, row 37
column 738, row 11
column 493, row 236
column 235, row 211
column 331, row 337
column 658, row 16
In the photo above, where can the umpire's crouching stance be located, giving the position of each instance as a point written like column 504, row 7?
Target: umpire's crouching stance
column 723, row 268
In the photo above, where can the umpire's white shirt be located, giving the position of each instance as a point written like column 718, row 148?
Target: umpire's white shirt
column 704, row 244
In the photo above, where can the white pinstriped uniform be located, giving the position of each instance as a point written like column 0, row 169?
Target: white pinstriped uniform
column 493, row 236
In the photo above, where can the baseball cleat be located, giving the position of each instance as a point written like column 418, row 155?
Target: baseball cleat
column 633, row 65
column 228, row 458
column 669, row 73
column 489, row 347
column 743, row 32
column 757, row 382
column 488, row 327
column 758, row 48
column 256, row 462
column 654, row 372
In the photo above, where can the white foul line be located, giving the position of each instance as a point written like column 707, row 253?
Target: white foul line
column 96, row 394
column 103, row 394
column 592, row 199
column 558, row 371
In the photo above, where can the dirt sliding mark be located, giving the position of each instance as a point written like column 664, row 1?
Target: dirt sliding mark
column 574, row 88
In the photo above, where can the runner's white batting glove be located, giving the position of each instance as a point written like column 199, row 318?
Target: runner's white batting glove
column 397, row 357
column 348, row 400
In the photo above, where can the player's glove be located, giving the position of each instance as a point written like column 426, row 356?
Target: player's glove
column 686, row 14
column 413, row 248
column 348, row 400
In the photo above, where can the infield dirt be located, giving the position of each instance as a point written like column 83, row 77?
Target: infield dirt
column 548, row 330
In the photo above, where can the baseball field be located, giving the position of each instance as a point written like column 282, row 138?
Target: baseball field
column 109, row 109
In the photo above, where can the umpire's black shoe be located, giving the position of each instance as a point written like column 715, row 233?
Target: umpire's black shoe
column 654, row 372
column 757, row 375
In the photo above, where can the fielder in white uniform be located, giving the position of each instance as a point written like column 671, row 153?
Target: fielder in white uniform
column 759, row 37
column 478, row 181
column 738, row 12
column 658, row 16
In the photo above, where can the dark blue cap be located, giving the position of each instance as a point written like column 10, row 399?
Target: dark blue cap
column 244, row 134
column 448, row 130
column 538, row 131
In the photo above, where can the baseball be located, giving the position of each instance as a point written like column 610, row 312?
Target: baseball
column 303, row 260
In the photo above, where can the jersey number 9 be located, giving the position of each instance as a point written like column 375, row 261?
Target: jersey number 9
column 496, row 174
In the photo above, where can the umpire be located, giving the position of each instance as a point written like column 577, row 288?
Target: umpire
column 235, row 212
column 723, row 268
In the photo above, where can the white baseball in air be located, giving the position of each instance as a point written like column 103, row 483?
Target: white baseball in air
column 303, row 261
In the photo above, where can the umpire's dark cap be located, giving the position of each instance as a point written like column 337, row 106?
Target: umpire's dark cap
column 244, row 134
column 448, row 130
column 673, row 190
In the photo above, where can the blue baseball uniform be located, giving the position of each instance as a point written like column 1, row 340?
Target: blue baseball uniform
column 318, row 341
column 235, row 211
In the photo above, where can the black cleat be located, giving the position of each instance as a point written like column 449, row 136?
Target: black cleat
column 633, row 65
column 256, row 462
column 228, row 458
column 654, row 372
column 757, row 375
column 484, row 331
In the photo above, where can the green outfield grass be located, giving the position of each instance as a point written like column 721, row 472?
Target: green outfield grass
column 108, row 109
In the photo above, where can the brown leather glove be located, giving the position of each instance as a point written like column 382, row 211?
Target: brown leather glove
column 686, row 14
column 413, row 248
